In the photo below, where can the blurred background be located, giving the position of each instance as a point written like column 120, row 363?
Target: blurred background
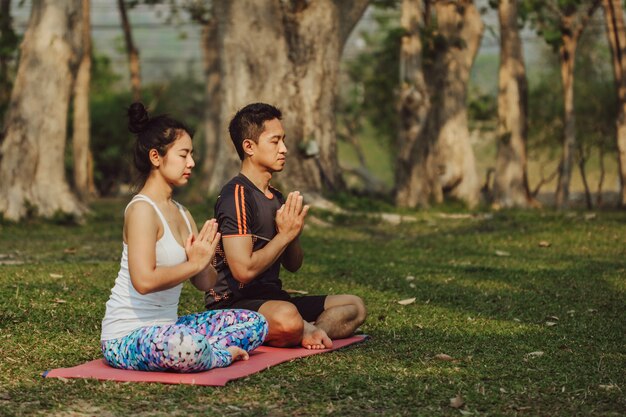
column 404, row 104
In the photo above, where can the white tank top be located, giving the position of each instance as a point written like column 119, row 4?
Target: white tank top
column 128, row 310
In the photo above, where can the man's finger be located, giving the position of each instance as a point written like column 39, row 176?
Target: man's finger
column 304, row 211
column 298, row 204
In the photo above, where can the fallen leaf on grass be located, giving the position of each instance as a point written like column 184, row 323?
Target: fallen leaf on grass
column 551, row 323
column 502, row 253
column 457, row 402
column 70, row 251
column 443, row 357
column 590, row 216
column 552, row 318
column 407, row 301
column 535, row 354
column 64, row 380
column 607, row 387
column 465, row 412
column 410, row 277
column 544, row 244
column 56, row 276
column 289, row 291
column 59, row 301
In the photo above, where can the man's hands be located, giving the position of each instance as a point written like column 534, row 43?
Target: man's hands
column 290, row 216
column 201, row 249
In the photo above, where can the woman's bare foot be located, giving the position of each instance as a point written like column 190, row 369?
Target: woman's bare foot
column 314, row 338
column 238, row 353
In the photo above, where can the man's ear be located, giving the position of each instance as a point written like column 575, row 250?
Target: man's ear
column 248, row 146
column 155, row 158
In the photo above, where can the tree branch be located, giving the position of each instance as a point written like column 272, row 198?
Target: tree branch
column 349, row 14
column 578, row 31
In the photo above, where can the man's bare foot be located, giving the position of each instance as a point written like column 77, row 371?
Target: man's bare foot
column 314, row 338
column 238, row 353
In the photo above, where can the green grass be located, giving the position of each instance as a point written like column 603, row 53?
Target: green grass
column 486, row 311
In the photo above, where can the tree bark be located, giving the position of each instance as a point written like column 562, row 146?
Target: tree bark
column 511, row 181
column 83, row 159
column 286, row 53
column 416, row 176
column 567, row 56
column 572, row 27
column 460, row 24
column 210, row 53
column 616, row 33
column 32, row 154
column 132, row 51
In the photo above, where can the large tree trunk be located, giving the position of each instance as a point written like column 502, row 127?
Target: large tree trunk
column 511, row 182
column 83, row 159
column 210, row 53
column 32, row 154
column 616, row 33
column 460, row 24
column 416, row 175
column 132, row 51
column 286, row 53
column 567, row 55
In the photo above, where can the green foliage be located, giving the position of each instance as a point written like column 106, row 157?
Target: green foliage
column 488, row 312
column 373, row 76
column 111, row 143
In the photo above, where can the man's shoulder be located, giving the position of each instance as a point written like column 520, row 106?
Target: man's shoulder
column 235, row 191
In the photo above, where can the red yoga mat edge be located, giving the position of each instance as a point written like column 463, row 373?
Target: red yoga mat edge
column 260, row 359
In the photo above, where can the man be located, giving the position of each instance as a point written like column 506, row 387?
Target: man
column 260, row 233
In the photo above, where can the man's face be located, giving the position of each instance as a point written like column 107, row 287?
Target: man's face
column 270, row 151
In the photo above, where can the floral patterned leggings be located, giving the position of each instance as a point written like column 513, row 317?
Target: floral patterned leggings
column 194, row 343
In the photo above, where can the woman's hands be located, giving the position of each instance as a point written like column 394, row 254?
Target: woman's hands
column 201, row 249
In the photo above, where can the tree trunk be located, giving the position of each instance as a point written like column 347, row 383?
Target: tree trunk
column 286, row 53
column 210, row 53
column 416, row 176
column 459, row 23
column 131, row 50
column 617, row 39
column 32, row 154
column 511, row 182
column 567, row 55
column 83, row 159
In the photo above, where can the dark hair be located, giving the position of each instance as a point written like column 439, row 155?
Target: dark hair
column 157, row 132
column 249, row 122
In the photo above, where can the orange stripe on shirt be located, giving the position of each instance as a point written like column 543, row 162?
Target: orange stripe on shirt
column 243, row 210
column 237, row 208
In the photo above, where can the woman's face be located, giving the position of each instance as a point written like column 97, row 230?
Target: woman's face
column 178, row 161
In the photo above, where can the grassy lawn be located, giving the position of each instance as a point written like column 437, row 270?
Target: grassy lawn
column 531, row 330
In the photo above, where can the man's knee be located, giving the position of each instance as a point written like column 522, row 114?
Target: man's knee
column 284, row 320
column 360, row 307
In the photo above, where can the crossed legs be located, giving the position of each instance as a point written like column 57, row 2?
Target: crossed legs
column 341, row 316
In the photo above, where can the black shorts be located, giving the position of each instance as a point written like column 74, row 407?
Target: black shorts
column 309, row 306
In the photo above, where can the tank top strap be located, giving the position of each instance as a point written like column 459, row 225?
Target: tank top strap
column 141, row 197
column 181, row 208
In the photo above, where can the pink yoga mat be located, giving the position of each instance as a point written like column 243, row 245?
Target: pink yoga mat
column 262, row 358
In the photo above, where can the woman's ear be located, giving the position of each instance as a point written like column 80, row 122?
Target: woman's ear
column 155, row 158
column 248, row 147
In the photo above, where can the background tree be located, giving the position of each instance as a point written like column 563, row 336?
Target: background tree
column 132, row 52
column 416, row 167
column 561, row 23
column 81, row 153
column 286, row 53
column 616, row 33
column 456, row 30
column 510, row 186
column 32, row 153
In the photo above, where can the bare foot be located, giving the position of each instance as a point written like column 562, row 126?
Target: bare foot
column 315, row 338
column 238, row 353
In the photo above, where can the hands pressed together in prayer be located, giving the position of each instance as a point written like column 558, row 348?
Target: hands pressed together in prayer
column 290, row 216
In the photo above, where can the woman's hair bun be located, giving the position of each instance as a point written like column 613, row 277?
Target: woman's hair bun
column 137, row 117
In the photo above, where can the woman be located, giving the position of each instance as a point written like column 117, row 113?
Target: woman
column 162, row 248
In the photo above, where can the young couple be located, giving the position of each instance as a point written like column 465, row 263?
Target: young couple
column 235, row 259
